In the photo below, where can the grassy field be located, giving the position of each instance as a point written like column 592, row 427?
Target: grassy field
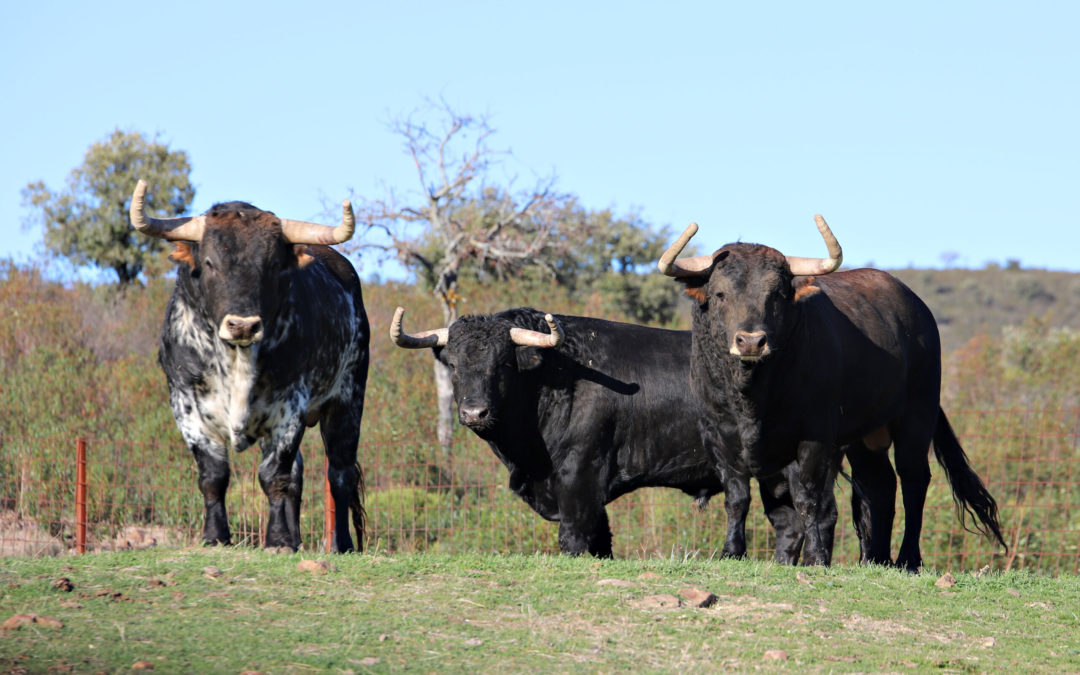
column 239, row 609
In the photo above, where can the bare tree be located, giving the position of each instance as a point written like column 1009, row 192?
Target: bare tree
column 461, row 221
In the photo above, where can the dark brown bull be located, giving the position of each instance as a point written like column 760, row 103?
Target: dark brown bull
column 794, row 361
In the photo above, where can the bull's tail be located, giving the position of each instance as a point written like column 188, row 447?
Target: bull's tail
column 359, row 515
column 970, row 495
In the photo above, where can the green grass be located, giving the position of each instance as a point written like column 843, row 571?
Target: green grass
column 468, row 612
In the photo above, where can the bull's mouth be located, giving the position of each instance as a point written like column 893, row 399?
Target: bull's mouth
column 245, row 342
column 485, row 424
column 752, row 357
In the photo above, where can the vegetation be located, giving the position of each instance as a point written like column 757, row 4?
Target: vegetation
column 237, row 610
column 88, row 222
column 80, row 360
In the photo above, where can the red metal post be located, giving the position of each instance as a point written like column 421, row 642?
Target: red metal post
column 328, row 507
column 80, row 495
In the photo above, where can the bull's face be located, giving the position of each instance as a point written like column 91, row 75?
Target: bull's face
column 242, row 267
column 746, row 303
column 239, row 258
column 746, row 294
column 489, row 359
column 487, row 369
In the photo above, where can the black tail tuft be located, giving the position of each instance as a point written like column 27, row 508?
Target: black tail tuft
column 969, row 493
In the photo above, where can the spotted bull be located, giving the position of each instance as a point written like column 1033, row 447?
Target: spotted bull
column 792, row 360
column 265, row 335
column 581, row 411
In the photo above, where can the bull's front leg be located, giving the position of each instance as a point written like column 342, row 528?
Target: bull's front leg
column 723, row 450
column 812, row 494
column 583, row 521
column 780, row 510
column 213, row 463
column 281, row 475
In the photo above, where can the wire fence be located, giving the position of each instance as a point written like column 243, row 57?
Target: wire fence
column 144, row 494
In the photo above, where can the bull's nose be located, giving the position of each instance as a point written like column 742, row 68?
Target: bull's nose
column 240, row 330
column 750, row 345
column 473, row 414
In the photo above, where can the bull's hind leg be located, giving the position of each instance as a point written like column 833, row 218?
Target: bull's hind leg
column 911, row 451
column 873, row 501
column 340, row 428
column 213, row 482
column 281, row 475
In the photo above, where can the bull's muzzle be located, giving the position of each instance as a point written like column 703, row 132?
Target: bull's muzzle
column 240, row 331
column 474, row 415
column 750, row 346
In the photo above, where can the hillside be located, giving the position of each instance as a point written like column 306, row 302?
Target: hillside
column 968, row 302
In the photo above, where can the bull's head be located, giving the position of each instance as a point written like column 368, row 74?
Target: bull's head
column 239, row 257
column 745, row 293
column 486, row 356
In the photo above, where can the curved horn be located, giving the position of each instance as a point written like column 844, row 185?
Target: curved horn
column 687, row 267
column 300, row 232
column 534, row 338
column 812, row 266
column 185, row 228
column 429, row 338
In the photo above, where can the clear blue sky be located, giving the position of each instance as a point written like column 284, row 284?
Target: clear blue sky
column 917, row 128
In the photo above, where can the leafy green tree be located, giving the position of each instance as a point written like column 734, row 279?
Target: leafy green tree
column 88, row 222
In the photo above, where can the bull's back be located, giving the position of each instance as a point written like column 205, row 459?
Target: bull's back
column 886, row 340
column 633, row 392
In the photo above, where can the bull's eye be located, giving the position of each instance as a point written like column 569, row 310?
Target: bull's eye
column 209, row 265
column 720, row 296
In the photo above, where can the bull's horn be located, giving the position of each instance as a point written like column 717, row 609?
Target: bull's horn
column 687, row 267
column 186, row 228
column 429, row 338
column 534, row 338
column 300, row 232
column 812, row 266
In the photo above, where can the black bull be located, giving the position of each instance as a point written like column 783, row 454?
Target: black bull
column 792, row 362
column 580, row 420
column 265, row 334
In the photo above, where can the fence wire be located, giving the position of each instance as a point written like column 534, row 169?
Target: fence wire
column 417, row 499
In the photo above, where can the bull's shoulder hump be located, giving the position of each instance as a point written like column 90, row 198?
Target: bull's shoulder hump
column 339, row 265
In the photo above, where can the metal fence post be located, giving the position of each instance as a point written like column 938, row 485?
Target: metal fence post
column 328, row 507
column 80, row 495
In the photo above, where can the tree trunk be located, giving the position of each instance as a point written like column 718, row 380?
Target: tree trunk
column 444, row 393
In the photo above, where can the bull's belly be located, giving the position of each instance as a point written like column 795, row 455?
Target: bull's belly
column 218, row 423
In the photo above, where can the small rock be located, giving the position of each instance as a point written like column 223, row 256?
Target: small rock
column 63, row 584
column 988, row 642
column 661, row 601
column 945, row 581
column 774, row 655
column 695, row 597
column 473, row 642
column 314, row 566
column 368, row 661
column 211, row 572
column 1013, row 592
column 802, row 578
column 20, row 620
column 142, row 665
column 621, row 583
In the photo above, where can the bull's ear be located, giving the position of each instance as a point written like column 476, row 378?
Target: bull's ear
column 529, row 357
column 695, row 288
column 303, row 258
column 804, row 288
column 183, row 254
